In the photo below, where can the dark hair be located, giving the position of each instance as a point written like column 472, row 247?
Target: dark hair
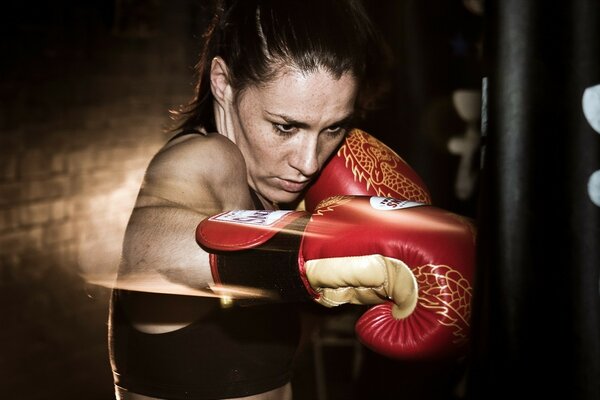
column 256, row 37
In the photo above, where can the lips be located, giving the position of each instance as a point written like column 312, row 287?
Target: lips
column 293, row 186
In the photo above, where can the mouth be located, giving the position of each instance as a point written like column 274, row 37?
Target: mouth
column 292, row 185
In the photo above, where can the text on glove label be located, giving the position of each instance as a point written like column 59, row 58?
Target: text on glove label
column 251, row 217
column 389, row 203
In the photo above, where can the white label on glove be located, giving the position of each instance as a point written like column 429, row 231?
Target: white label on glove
column 389, row 203
column 251, row 217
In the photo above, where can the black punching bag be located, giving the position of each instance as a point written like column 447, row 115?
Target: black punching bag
column 536, row 310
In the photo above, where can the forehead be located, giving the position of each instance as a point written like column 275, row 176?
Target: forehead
column 307, row 96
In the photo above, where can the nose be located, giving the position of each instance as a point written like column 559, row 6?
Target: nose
column 305, row 157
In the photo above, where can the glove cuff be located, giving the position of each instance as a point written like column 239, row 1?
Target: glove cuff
column 271, row 266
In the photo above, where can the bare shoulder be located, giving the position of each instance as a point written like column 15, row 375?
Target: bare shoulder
column 205, row 172
column 201, row 155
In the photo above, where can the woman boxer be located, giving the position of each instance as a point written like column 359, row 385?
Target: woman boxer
column 279, row 84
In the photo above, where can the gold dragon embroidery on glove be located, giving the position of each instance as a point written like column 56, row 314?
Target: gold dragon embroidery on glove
column 446, row 291
column 374, row 163
column 330, row 203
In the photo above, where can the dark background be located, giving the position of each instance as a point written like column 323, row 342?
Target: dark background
column 85, row 89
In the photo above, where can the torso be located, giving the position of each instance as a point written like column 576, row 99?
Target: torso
column 168, row 346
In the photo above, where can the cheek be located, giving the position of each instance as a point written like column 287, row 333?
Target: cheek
column 327, row 147
column 254, row 135
column 264, row 149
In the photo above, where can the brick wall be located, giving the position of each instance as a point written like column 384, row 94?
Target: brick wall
column 85, row 91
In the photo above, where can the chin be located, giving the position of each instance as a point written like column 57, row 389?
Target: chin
column 286, row 199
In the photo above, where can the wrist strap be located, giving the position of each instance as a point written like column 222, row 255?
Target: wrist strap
column 272, row 266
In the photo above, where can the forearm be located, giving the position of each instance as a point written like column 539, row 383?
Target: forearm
column 160, row 240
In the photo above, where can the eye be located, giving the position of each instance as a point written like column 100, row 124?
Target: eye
column 335, row 131
column 284, row 129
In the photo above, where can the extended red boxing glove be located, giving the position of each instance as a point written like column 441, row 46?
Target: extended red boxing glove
column 439, row 324
column 360, row 250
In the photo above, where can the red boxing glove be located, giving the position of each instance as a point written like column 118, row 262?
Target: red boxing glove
column 439, row 326
column 360, row 250
column 364, row 165
column 440, row 322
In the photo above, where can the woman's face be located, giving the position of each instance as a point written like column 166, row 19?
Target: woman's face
column 287, row 128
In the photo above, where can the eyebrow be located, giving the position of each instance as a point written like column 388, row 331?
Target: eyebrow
column 303, row 125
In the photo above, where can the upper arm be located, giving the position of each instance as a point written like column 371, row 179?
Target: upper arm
column 206, row 174
column 184, row 183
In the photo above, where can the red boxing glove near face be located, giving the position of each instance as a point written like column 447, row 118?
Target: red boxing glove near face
column 364, row 165
column 440, row 322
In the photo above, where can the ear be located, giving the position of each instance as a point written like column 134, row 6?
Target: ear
column 219, row 81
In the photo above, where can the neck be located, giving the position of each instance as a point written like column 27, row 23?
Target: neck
column 261, row 202
column 221, row 122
